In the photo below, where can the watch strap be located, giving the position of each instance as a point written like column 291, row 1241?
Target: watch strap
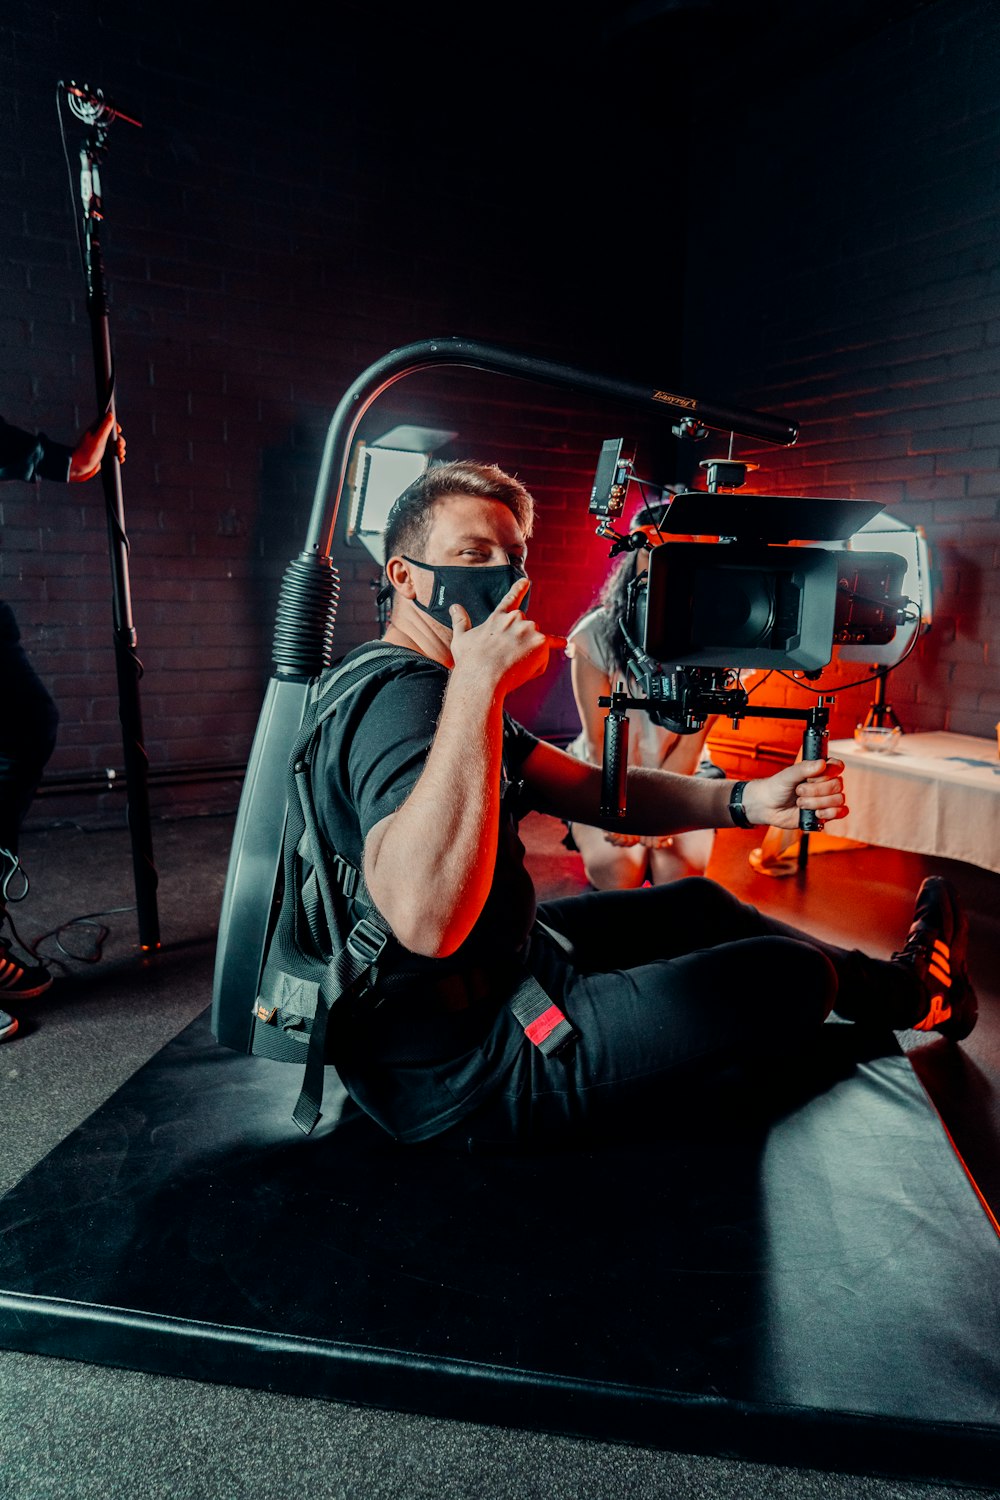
column 736, row 809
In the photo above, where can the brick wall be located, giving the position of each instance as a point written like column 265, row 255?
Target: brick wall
column 860, row 288
column 293, row 208
column 296, row 205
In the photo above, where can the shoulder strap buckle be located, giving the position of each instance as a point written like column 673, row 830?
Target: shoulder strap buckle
column 346, row 875
column 366, row 941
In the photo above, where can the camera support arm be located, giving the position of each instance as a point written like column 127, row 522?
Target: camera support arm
column 410, row 358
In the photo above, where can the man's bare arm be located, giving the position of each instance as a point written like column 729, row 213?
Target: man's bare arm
column 429, row 866
column 424, row 864
column 661, row 802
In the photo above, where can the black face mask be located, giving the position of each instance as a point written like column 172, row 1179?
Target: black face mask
column 478, row 590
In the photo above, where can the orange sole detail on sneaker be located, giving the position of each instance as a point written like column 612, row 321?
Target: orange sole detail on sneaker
column 940, row 1011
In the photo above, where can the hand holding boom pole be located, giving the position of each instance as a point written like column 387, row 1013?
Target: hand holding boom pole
column 96, row 112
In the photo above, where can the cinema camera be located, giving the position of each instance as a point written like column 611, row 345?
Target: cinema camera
column 739, row 597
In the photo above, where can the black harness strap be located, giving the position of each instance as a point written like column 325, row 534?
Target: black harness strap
column 543, row 1023
column 352, row 970
column 345, row 974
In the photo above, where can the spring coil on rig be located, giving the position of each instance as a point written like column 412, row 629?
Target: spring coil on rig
column 307, row 607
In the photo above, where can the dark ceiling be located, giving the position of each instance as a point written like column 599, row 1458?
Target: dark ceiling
column 712, row 44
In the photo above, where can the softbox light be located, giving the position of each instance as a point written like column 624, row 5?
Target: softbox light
column 886, row 534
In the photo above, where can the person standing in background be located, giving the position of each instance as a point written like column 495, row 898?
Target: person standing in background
column 28, row 717
column 598, row 658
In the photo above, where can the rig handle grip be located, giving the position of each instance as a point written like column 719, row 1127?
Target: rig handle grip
column 814, row 747
column 614, row 772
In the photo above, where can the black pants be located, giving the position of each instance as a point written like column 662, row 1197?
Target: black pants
column 665, row 984
column 28, row 723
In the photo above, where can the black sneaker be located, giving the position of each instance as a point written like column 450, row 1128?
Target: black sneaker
column 21, row 981
column 936, row 949
column 8, row 1026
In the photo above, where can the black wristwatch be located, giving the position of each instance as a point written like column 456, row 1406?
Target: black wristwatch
column 736, row 809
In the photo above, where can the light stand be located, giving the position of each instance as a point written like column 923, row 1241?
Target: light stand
column 880, row 714
column 93, row 109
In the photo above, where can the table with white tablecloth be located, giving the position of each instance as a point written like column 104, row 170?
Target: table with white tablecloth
column 936, row 793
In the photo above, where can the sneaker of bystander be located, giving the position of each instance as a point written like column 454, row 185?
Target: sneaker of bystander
column 18, row 980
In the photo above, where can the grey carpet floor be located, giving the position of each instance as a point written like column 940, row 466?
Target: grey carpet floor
column 72, row 1431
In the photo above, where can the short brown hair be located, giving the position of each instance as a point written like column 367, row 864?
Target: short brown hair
column 410, row 518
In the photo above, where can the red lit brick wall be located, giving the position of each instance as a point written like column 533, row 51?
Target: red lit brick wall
column 292, row 209
column 290, row 212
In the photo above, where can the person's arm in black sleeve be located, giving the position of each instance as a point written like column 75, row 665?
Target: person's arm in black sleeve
column 32, row 455
column 387, row 748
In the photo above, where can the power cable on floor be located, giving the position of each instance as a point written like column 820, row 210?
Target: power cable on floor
column 88, row 919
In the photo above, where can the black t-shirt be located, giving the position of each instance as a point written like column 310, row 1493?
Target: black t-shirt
column 436, row 1036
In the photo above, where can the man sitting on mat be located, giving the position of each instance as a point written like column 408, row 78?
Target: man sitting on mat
column 497, row 1020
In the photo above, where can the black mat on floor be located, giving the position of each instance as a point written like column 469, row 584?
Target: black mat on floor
column 799, row 1270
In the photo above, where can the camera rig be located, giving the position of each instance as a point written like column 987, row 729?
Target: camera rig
column 725, row 590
